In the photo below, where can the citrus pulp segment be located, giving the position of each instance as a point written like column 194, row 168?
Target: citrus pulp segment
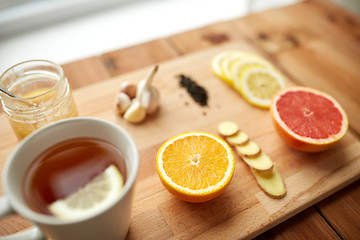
column 307, row 119
column 258, row 86
column 99, row 193
column 195, row 166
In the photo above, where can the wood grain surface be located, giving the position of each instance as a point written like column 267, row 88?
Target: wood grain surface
column 313, row 43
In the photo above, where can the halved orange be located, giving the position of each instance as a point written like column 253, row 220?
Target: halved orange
column 307, row 119
column 195, row 166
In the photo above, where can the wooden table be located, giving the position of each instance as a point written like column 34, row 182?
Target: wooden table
column 309, row 40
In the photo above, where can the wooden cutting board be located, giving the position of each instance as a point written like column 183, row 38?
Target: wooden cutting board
column 243, row 211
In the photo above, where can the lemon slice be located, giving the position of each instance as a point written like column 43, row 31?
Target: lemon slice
column 218, row 64
column 259, row 85
column 230, row 64
column 99, row 193
column 227, row 65
column 240, row 68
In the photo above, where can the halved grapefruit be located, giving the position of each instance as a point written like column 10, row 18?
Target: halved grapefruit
column 307, row 119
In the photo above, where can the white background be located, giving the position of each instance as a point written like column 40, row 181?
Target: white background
column 121, row 25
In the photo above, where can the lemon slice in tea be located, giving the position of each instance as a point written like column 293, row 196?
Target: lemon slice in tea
column 103, row 190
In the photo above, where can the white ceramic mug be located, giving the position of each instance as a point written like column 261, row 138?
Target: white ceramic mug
column 111, row 223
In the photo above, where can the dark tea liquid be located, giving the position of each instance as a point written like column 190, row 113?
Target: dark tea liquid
column 67, row 166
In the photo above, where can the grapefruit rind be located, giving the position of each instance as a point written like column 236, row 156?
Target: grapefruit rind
column 191, row 195
column 297, row 141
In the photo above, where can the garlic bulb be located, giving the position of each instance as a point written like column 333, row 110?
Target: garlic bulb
column 134, row 103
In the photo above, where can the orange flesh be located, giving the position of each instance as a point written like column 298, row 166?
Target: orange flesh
column 195, row 162
column 309, row 115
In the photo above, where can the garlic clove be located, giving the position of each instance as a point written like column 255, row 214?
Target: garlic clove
column 150, row 100
column 135, row 113
column 140, row 88
column 145, row 84
column 122, row 102
column 129, row 89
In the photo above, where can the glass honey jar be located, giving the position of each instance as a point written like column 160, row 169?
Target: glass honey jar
column 41, row 94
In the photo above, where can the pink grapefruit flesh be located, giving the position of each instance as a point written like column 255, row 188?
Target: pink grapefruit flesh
column 307, row 119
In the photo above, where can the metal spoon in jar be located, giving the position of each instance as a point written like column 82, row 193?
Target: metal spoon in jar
column 15, row 96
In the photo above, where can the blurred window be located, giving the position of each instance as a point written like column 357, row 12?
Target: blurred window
column 17, row 16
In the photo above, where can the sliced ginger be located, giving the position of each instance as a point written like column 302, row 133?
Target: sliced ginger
column 228, row 128
column 271, row 183
column 249, row 150
column 261, row 165
column 239, row 139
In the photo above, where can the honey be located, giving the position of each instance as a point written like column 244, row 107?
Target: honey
column 43, row 96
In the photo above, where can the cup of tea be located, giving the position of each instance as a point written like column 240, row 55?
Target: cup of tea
column 73, row 179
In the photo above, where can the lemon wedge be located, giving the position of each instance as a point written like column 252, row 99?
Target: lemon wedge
column 96, row 195
column 259, row 85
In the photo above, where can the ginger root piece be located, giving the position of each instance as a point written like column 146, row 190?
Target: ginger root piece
column 271, row 183
column 261, row 164
column 249, row 150
column 239, row 139
column 228, row 128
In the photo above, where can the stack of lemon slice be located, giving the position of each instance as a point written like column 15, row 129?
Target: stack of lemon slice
column 252, row 76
